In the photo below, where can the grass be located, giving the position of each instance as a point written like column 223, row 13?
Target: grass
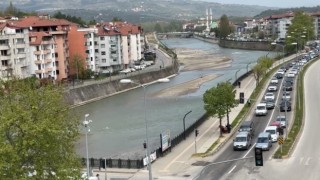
column 298, row 117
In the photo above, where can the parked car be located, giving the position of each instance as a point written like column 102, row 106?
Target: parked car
column 285, row 106
column 261, row 109
column 269, row 95
column 264, row 141
column 247, row 126
column 272, row 88
column 242, row 141
column 273, row 132
column 282, row 120
column 286, row 96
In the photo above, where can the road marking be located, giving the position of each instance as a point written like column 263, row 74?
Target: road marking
column 232, row 169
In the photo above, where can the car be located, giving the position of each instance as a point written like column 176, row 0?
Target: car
column 281, row 71
column 272, row 88
column 274, row 80
column 294, row 71
column 261, row 109
column 273, row 132
column 285, row 106
column 290, row 74
column 279, row 76
column 282, row 120
column 247, row 126
column 270, row 104
column 289, row 80
column 283, row 68
column 242, row 141
column 264, row 141
column 287, row 86
column 269, row 95
column 304, row 61
column 286, row 95
column 125, row 71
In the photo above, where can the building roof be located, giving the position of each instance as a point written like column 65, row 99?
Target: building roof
column 117, row 28
column 280, row 16
column 35, row 21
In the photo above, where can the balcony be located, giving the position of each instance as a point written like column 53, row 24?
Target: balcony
column 38, row 61
column 37, row 52
column 48, row 70
column 113, row 48
column 38, row 71
column 47, row 51
column 114, row 55
column 4, row 47
column 46, row 42
column 57, row 32
column 47, row 61
column 3, row 57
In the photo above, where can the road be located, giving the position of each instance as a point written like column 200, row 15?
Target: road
column 304, row 161
column 228, row 169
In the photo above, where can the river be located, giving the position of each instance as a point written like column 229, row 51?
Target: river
column 118, row 125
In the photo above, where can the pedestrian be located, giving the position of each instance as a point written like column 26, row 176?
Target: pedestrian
column 98, row 178
column 239, row 84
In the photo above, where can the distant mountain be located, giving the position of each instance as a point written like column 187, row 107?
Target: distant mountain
column 136, row 10
column 285, row 10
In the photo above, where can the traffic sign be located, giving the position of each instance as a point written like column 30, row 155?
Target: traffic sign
column 280, row 140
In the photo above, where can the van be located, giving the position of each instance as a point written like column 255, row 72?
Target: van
column 242, row 141
column 273, row 132
column 247, row 126
column 261, row 109
column 264, row 141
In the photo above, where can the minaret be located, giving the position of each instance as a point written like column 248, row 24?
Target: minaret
column 210, row 17
column 207, row 23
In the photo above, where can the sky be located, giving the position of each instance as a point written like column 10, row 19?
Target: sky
column 272, row 3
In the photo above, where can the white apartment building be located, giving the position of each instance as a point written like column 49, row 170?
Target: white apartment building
column 14, row 50
column 111, row 47
column 316, row 18
column 278, row 25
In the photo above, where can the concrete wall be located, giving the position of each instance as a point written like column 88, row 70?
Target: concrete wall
column 94, row 92
column 248, row 45
column 209, row 40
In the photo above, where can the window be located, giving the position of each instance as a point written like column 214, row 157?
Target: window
column 56, row 55
column 96, row 50
column 102, row 45
column 103, row 60
column 4, row 63
column 57, row 72
column 114, row 60
column 101, row 38
column 103, row 53
column 20, row 41
column 20, row 50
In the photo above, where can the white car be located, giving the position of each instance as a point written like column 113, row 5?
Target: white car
column 294, row 71
column 269, row 96
column 281, row 71
column 272, row 88
column 282, row 120
column 286, row 95
column 261, row 109
column 291, row 74
column 273, row 132
column 274, row 80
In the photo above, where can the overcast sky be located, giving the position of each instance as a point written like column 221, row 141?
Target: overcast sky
column 271, row 3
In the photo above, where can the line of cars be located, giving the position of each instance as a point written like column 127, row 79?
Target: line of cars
column 137, row 67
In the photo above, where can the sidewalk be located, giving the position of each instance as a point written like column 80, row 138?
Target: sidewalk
column 178, row 164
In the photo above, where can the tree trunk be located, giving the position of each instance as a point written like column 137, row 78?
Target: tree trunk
column 220, row 127
column 228, row 116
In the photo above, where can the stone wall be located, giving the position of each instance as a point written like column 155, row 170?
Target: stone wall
column 86, row 94
column 248, row 45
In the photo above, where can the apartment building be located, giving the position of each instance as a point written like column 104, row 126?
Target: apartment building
column 49, row 50
column 316, row 18
column 14, row 48
column 278, row 25
column 112, row 46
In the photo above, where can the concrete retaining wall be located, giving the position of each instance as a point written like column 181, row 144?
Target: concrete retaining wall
column 86, row 94
column 248, row 45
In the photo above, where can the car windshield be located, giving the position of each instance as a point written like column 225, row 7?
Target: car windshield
column 260, row 107
column 271, row 131
column 240, row 139
column 262, row 140
column 281, row 118
column 244, row 129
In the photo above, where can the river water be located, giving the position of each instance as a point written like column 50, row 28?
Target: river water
column 118, row 128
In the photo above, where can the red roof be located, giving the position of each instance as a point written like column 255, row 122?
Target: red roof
column 34, row 21
column 280, row 16
column 117, row 28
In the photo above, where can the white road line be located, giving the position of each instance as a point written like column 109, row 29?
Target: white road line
column 249, row 150
column 232, row 169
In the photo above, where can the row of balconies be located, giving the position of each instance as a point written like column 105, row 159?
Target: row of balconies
column 47, row 51
column 45, row 61
column 45, row 70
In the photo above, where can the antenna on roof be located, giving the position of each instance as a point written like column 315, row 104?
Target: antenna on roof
column 30, row 28
column 106, row 28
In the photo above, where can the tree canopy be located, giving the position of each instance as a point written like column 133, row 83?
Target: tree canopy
column 260, row 69
column 38, row 132
column 225, row 28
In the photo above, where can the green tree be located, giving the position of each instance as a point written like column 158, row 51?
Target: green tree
column 116, row 19
column 225, row 28
column 77, row 65
column 259, row 70
column 38, row 132
column 300, row 31
column 261, row 35
column 219, row 100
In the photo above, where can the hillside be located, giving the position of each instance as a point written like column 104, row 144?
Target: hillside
column 136, row 10
column 281, row 11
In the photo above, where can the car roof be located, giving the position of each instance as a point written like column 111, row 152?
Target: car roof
column 264, row 134
column 261, row 104
column 271, row 127
column 246, row 123
column 242, row 134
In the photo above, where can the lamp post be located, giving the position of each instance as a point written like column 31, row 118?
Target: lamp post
column 86, row 125
column 184, row 124
column 295, row 43
column 128, row 81
column 274, row 43
column 248, row 66
column 236, row 74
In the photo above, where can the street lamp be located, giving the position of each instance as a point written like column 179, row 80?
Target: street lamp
column 86, row 125
column 184, row 124
column 295, row 43
column 274, row 43
column 129, row 81
column 248, row 66
column 236, row 75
